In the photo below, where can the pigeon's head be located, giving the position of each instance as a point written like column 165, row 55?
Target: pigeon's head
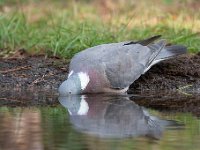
column 75, row 84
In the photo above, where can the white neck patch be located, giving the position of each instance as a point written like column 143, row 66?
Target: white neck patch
column 83, row 110
column 71, row 72
column 84, row 79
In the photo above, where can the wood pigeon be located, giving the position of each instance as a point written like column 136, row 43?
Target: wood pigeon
column 113, row 67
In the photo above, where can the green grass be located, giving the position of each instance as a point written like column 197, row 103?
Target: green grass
column 61, row 28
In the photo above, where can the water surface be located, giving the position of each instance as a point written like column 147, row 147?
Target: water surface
column 96, row 122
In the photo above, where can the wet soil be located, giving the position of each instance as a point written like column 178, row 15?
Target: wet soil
column 171, row 85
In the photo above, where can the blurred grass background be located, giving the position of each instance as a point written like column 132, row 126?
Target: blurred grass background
column 64, row 27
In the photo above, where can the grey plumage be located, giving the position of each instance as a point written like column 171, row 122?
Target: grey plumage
column 114, row 67
column 122, row 63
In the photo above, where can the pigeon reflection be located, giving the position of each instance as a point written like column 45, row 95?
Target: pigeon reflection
column 112, row 117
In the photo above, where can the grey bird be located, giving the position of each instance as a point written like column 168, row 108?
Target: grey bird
column 112, row 68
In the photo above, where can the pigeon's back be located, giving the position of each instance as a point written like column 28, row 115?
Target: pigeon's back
column 111, row 55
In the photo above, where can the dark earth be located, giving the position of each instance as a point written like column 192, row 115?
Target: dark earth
column 172, row 85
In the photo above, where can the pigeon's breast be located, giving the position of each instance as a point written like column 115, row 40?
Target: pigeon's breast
column 95, row 72
column 98, row 82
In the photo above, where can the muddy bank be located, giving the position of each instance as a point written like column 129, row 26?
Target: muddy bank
column 32, row 72
column 180, row 76
column 47, row 73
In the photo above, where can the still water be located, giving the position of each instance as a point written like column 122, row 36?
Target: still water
column 96, row 122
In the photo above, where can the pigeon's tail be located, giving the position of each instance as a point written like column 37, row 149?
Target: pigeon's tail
column 170, row 52
column 165, row 52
